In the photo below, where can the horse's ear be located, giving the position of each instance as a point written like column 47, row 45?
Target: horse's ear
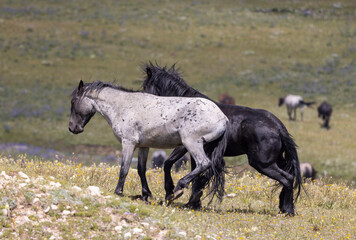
column 81, row 86
column 149, row 72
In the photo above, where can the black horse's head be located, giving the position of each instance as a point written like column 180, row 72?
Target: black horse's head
column 81, row 111
column 281, row 101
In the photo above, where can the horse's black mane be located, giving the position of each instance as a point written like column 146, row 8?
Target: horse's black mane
column 99, row 85
column 168, row 79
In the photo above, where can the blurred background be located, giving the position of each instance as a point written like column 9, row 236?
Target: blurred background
column 256, row 51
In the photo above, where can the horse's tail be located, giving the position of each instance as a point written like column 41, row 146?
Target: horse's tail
column 292, row 164
column 307, row 103
column 215, row 174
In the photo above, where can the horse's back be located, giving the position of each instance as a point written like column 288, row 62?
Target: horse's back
column 293, row 100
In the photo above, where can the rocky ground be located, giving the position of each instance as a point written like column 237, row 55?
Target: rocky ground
column 41, row 208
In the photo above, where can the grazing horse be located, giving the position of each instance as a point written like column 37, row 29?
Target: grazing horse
column 226, row 99
column 158, row 158
column 307, row 171
column 324, row 111
column 141, row 120
column 293, row 102
column 181, row 163
column 258, row 133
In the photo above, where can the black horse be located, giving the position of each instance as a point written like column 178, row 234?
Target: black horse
column 159, row 156
column 255, row 132
column 324, row 111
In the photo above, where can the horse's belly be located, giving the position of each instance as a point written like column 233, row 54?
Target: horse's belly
column 160, row 139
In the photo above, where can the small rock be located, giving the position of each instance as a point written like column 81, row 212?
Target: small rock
column 86, row 208
column 55, row 184
column 182, row 234
column 51, row 177
column 118, row 228
column 7, row 177
column 47, row 63
column 162, row 234
column 23, row 175
column 197, row 237
column 137, row 230
column 5, row 212
column 54, row 207
column 46, row 210
column 145, row 224
column 94, row 191
column 66, row 212
column 231, row 195
column 21, row 185
column 127, row 235
column 35, row 200
column 77, row 189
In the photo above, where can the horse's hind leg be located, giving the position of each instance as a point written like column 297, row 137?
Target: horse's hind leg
column 202, row 163
column 286, row 204
column 172, row 158
column 141, row 169
column 289, row 112
column 265, row 162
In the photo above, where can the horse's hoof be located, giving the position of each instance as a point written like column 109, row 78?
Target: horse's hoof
column 196, row 197
column 176, row 194
column 119, row 193
column 193, row 205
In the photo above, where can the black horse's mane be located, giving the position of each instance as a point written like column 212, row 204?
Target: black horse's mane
column 168, row 79
column 99, row 85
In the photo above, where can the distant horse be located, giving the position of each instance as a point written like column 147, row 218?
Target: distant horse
column 324, row 111
column 255, row 132
column 141, row 120
column 293, row 102
column 226, row 99
column 181, row 163
column 158, row 158
column 307, row 171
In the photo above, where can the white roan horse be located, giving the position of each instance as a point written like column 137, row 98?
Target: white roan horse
column 293, row 102
column 141, row 120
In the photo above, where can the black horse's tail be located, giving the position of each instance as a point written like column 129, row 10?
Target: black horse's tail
column 215, row 174
column 292, row 164
column 307, row 103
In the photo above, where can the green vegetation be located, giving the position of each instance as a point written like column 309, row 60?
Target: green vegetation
column 256, row 51
column 249, row 211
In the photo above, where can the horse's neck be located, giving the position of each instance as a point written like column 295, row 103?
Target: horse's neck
column 106, row 103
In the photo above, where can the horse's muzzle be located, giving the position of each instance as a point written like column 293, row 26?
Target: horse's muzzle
column 75, row 129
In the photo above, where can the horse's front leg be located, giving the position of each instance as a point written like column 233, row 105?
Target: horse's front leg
column 141, row 168
column 172, row 158
column 127, row 153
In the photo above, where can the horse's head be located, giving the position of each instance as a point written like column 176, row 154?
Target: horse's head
column 281, row 101
column 81, row 111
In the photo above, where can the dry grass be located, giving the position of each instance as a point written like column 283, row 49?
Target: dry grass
column 250, row 211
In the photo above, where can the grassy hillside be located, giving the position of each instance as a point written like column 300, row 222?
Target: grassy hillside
column 256, row 51
column 51, row 200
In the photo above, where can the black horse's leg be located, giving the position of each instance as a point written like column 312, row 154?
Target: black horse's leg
column 172, row 158
column 141, row 169
column 202, row 163
column 184, row 182
column 127, row 153
column 327, row 118
column 263, row 157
